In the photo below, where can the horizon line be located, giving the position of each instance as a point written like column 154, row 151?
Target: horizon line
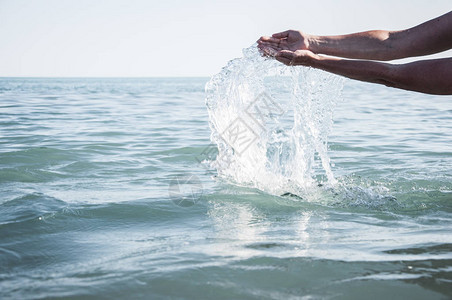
column 205, row 76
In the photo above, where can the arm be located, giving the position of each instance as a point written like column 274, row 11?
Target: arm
column 430, row 37
column 427, row 76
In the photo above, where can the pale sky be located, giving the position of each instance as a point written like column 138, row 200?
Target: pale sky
column 121, row 38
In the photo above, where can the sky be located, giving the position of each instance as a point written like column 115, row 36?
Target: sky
column 139, row 38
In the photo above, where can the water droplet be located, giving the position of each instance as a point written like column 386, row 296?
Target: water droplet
column 270, row 123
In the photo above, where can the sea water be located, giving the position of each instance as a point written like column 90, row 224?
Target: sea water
column 111, row 188
column 271, row 123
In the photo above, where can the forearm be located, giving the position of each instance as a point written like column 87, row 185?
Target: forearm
column 430, row 37
column 428, row 76
column 374, row 45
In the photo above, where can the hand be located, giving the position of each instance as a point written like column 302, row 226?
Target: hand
column 299, row 57
column 292, row 40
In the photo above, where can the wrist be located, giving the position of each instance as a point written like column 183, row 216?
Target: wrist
column 314, row 59
column 312, row 43
column 306, row 58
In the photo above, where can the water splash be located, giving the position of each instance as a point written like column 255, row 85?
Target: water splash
column 271, row 124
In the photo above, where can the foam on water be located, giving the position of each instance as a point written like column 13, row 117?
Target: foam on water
column 271, row 124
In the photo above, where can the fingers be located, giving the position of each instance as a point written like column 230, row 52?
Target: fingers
column 266, row 45
column 274, row 45
column 270, row 51
column 286, row 57
column 281, row 35
column 269, row 42
column 263, row 50
column 269, row 39
column 271, row 47
column 267, row 51
column 286, row 54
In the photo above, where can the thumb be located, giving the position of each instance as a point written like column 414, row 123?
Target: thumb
column 281, row 35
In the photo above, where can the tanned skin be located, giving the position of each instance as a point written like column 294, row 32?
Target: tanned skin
column 432, row 76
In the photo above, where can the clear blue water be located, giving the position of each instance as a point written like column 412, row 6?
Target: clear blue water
column 88, row 206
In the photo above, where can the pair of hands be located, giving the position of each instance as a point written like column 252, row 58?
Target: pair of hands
column 290, row 47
